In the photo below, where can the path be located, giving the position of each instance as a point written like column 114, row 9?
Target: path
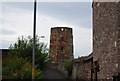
column 54, row 74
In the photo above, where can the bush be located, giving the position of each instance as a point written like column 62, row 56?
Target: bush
column 68, row 67
column 18, row 63
column 24, row 47
column 18, row 68
column 82, row 58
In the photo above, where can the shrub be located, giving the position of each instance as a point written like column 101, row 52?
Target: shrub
column 18, row 63
column 68, row 67
column 24, row 47
column 82, row 58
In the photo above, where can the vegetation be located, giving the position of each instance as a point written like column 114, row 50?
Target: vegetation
column 18, row 64
column 82, row 58
column 68, row 67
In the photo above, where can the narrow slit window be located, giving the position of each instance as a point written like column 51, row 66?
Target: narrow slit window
column 62, row 48
column 62, row 38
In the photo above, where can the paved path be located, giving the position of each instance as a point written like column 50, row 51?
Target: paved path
column 54, row 74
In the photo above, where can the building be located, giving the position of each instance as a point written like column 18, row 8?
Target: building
column 4, row 52
column 61, row 44
column 104, row 63
column 106, row 39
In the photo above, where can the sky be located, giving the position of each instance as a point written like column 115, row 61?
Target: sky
column 16, row 20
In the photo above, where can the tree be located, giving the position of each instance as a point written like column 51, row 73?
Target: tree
column 24, row 46
column 18, row 68
column 18, row 64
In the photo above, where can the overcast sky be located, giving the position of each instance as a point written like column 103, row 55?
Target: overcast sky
column 16, row 19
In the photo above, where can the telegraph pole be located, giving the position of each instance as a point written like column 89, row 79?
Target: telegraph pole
column 34, row 38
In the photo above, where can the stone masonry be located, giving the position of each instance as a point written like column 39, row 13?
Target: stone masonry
column 106, row 38
column 83, row 69
column 119, row 35
column 61, row 44
column 61, row 47
column 104, row 62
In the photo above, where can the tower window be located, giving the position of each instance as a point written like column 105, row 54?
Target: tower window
column 62, row 38
column 62, row 29
column 62, row 48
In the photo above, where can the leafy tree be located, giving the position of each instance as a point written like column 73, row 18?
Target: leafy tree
column 18, row 64
column 18, row 68
column 24, row 46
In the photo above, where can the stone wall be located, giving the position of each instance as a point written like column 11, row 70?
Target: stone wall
column 119, row 33
column 106, row 44
column 106, row 38
column 105, row 61
column 61, row 46
column 61, row 43
column 81, row 70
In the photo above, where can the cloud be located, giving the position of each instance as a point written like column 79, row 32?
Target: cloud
column 20, row 20
column 82, row 41
column 82, row 36
column 5, row 44
column 26, row 6
column 78, row 13
column 48, row 0
column 7, row 32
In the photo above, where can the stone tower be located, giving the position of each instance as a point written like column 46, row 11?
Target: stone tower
column 61, row 44
column 106, row 38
